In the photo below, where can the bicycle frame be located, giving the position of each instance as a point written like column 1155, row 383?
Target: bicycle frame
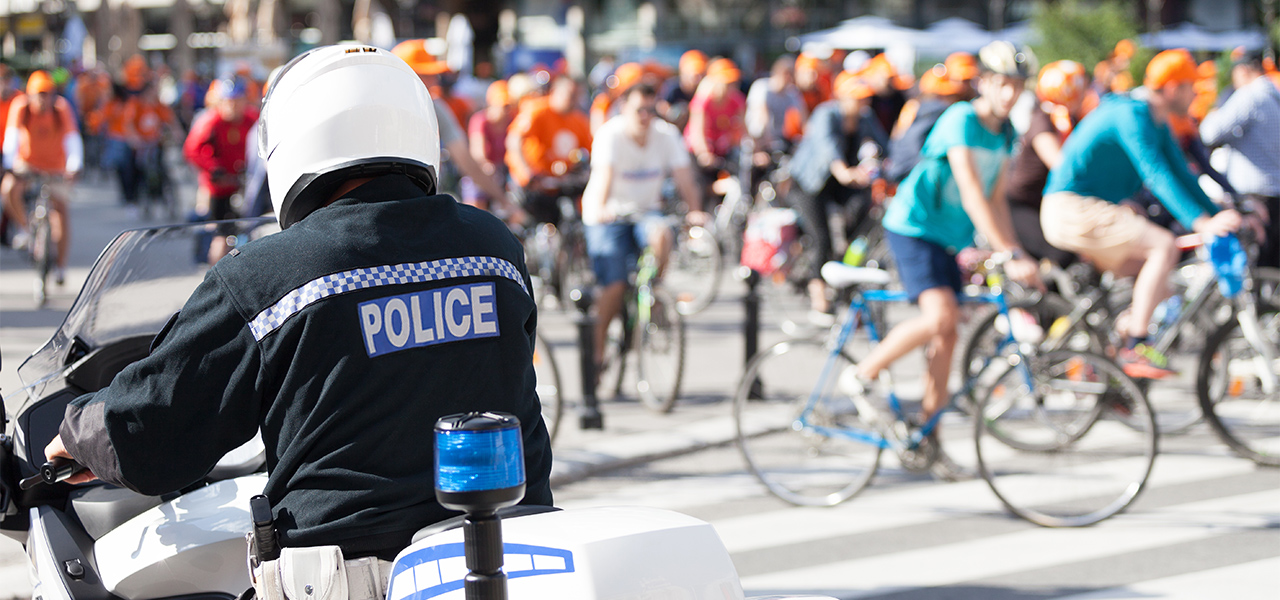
column 839, row 337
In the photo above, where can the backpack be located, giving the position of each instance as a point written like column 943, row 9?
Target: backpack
column 904, row 152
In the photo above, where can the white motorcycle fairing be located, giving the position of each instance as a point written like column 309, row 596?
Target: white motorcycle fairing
column 585, row 554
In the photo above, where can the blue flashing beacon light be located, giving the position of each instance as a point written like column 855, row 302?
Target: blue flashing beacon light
column 480, row 469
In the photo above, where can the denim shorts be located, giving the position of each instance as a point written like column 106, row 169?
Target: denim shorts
column 615, row 247
column 923, row 265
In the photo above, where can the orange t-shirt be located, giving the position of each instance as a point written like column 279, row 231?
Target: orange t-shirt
column 40, row 134
column 147, row 118
column 548, row 137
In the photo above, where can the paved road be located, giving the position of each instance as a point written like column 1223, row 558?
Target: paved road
column 1209, row 527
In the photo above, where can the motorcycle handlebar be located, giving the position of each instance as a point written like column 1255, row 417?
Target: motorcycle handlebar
column 58, row 469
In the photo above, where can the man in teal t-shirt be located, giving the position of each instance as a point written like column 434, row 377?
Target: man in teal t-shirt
column 1123, row 145
column 955, row 190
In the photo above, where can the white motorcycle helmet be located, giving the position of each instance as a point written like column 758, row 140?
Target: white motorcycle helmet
column 342, row 112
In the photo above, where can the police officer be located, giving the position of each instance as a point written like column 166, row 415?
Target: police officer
column 379, row 308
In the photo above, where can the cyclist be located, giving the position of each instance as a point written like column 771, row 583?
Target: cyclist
column 215, row 146
column 812, row 80
column 1247, row 126
column 487, row 137
column 8, row 92
column 542, row 144
column 673, row 105
column 955, row 190
column 150, row 121
column 622, row 206
column 1061, row 89
column 1122, row 145
column 835, row 163
column 775, row 110
column 41, row 138
column 716, row 118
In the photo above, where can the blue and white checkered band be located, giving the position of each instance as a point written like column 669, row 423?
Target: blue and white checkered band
column 292, row 303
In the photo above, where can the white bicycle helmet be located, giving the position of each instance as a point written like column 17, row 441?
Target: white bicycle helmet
column 1003, row 58
column 341, row 112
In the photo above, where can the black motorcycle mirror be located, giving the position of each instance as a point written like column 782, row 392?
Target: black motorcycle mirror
column 480, row 469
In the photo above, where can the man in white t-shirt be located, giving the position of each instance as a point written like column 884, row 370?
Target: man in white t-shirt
column 631, row 156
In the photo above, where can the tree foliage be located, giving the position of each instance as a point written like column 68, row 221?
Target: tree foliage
column 1085, row 32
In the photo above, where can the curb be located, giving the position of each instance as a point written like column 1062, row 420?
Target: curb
column 575, row 464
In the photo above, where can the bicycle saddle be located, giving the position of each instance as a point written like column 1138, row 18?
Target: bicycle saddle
column 840, row 275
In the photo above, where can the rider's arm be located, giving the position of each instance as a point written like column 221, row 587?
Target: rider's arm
column 1219, row 126
column 697, row 127
column 461, row 157
column 520, row 168
column 11, row 132
column 164, row 422
column 1048, row 148
column 687, row 184
column 73, row 147
column 985, row 216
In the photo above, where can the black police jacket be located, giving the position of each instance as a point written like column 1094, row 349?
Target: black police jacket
column 344, row 338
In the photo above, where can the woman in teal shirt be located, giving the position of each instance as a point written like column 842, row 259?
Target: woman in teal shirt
column 955, row 190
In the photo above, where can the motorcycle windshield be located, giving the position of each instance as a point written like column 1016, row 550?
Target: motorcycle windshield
column 139, row 281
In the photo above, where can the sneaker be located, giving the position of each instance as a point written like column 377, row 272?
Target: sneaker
column 1144, row 362
column 21, row 239
column 59, row 275
column 946, row 469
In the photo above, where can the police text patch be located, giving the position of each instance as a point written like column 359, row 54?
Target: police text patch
column 418, row 319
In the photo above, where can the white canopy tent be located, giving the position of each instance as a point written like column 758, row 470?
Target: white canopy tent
column 863, row 33
column 1194, row 37
column 953, row 34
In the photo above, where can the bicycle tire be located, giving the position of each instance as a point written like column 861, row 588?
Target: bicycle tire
column 1238, row 409
column 978, row 356
column 572, row 265
column 42, row 250
column 549, row 388
column 659, row 341
column 1092, row 478
column 695, row 270
column 801, row 464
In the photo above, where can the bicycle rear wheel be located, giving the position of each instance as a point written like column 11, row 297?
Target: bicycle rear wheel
column 550, row 391
column 806, row 458
column 1232, row 390
column 1057, row 480
column 659, row 343
column 41, row 252
column 693, row 275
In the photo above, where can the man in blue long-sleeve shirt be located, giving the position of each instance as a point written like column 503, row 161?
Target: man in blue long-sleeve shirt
column 1120, row 147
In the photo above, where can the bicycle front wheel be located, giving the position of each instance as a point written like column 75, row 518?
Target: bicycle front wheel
column 1234, row 376
column 42, row 252
column 693, row 276
column 659, row 343
column 799, row 434
column 550, row 391
column 1094, row 472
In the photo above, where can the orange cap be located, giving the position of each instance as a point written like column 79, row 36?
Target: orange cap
column 724, row 71
column 1170, row 67
column 961, row 66
column 1124, row 49
column 809, row 62
column 414, row 53
column 850, row 85
column 498, row 94
column 1062, row 82
column 936, row 82
column 625, row 76
column 656, row 70
column 40, row 81
column 695, row 61
column 880, row 65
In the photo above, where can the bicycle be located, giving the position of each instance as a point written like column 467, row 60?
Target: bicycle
column 548, row 386
column 812, row 439
column 695, row 270
column 42, row 249
column 653, row 328
column 556, row 247
column 1091, row 321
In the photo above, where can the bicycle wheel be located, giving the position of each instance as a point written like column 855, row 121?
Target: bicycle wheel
column 573, row 266
column 694, row 272
column 808, row 458
column 1073, row 480
column 41, row 252
column 1232, row 387
column 550, row 391
column 987, row 356
column 659, row 344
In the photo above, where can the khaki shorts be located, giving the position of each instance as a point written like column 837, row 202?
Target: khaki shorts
column 1105, row 233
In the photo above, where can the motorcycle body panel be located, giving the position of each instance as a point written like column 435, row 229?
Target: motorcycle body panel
column 192, row 544
column 587, row 554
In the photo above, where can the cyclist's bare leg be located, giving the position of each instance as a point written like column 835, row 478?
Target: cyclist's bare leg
column 939, row 313
column 608, row 305
column 1152, row 262
column 60, row 228
column 818, row 299
column 12, row 188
